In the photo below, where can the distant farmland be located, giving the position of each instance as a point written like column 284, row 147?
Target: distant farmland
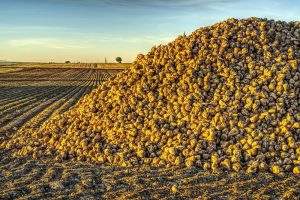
column 66, row 65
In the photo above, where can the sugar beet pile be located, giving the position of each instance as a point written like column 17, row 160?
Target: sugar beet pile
column 225, row 97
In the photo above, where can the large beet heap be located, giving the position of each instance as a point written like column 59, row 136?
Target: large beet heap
column 225, row 97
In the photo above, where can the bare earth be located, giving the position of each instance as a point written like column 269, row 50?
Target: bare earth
column 28, row 97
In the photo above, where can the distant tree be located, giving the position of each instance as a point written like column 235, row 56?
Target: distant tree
column 119, row 59
column 105, row 60
column 67, row 62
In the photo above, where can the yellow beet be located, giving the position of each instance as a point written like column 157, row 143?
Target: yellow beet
column 296, row 170
column 276, row 169
column 236, row 167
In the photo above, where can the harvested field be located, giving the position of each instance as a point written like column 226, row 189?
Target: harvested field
column 26, row 178
column 9, row 69
column 29, row 96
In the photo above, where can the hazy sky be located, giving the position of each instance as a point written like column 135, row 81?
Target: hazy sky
column 90, row 30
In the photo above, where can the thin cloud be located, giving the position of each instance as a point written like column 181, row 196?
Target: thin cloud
column 166, row 3
column 91, row 42
column 46, row 42
column 146, row 3
column 143, row 39
column 32, row 29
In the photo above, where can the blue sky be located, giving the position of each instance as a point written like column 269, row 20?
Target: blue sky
column 90, row 30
